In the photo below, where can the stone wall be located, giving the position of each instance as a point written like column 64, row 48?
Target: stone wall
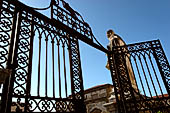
column 100, row 99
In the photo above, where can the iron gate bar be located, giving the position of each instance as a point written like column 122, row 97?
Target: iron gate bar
column 28, row 86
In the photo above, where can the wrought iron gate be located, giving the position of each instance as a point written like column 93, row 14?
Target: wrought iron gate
column 141, row 78
column 39, row 51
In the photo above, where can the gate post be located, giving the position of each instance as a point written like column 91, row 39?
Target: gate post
column 115, row 80
column 121, row 77
column 162, row 63
column 76, row 76
column 122, row 83
column 5, row 93
column 14, row 65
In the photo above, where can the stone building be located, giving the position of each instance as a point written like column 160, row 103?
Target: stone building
column 100, row 99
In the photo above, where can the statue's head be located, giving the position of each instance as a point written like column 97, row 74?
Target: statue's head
column 110, row 33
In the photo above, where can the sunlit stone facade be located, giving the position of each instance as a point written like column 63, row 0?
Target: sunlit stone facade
column 100, row 99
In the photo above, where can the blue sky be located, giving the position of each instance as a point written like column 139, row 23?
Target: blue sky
column 134, row 20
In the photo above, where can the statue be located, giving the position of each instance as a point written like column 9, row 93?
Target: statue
column 115, row 40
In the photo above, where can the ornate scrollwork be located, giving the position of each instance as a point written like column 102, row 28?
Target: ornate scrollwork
column 76, row 69
column 164, row 66
column 48, row 105
column 6, row 21
column 124, row 84
column 22, row 58
column 18, row 105
column 72, row 19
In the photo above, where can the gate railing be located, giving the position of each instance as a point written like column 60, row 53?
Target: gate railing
column 141, row 77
